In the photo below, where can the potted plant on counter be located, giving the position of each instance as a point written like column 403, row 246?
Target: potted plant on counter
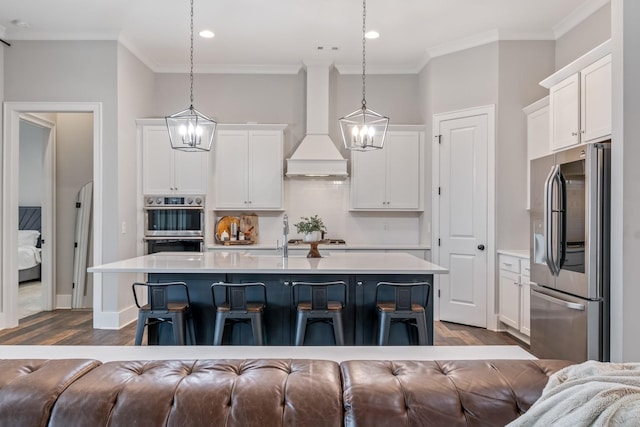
column 311, row 228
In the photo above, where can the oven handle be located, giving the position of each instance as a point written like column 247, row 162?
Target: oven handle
column 173, row 208
column 173, row 238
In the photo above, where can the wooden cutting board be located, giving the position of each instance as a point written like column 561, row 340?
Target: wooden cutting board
column 249, row 224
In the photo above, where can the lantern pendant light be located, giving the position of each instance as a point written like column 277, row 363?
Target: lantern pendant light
column 364, row 129
column 190, row 130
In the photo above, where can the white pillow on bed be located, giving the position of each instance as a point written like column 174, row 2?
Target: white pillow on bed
column 28, row 237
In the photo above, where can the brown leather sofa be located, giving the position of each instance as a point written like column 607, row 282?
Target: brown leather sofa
column 269, row 392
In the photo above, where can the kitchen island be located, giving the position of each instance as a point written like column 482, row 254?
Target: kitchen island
column 360, row 271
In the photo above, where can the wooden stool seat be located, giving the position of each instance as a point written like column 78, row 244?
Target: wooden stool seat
column 391, row 306
column 331, row 306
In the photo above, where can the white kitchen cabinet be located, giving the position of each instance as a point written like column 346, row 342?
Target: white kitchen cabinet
column 248, row 169
column 580, row 102
column 513, row 291
column 595, row 101
column 525, row 297
column 169, row 171
column 537, row 135
column 389, row 179
column 564, row 102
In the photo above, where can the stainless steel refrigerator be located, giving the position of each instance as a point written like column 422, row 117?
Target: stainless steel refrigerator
column 570, row 229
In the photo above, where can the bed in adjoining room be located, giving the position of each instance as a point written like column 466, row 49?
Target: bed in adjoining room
column 29, row 243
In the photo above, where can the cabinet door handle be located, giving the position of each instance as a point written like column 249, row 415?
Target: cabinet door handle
column 286, row 283
column 574, row 133
column 359, row 283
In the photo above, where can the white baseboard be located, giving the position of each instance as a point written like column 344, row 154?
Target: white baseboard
column 113, row 319
column 63, row 301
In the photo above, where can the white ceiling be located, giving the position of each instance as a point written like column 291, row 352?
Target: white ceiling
column 279, row 35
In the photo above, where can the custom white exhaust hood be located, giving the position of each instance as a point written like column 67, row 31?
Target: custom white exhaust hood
column 317, row 155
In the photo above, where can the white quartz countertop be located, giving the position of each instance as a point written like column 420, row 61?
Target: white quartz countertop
column 243, row 262
column 337, row 354
column 520, row 253
column 323, row 246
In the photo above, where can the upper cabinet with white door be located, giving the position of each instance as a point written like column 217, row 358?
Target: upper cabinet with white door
column 537, row 134
column 168, row 171
column 580, row 100
column 389, row 179
column 248, row 167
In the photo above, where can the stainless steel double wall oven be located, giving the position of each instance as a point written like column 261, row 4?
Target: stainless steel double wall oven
column 173, row 223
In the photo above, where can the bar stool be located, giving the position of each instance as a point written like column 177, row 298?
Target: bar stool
column 319, row 308
column 403, row 309
column 160, row 309
column 236, row 309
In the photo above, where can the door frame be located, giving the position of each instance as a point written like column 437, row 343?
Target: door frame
column 10, row 175
column 48, row 220
column 489, row 111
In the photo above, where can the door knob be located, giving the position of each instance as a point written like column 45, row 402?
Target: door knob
column 481, row 247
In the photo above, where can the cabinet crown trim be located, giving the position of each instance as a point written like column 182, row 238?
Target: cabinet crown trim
column 535, row 106
column 576, row 66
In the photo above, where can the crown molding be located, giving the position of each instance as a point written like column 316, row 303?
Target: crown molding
column 581, row 13
column 372, row 69
column 124, row 41
column 232, row 69
column 464, row 43
column 62, row 36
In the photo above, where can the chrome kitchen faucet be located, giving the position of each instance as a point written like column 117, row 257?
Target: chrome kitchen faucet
column 285, row 236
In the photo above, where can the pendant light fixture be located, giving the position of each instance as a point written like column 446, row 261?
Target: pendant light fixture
column 364, row 129
column 190, row 130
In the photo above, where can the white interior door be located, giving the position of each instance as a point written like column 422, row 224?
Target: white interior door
column 462, row 232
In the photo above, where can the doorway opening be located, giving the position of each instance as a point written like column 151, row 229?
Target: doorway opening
column 77, row 157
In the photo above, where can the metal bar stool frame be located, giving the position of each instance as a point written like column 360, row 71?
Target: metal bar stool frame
column 404, row 309
column 237, row 309
column 319, row 308
column 162, row 309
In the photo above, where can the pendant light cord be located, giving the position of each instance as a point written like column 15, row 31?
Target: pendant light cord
column 364, row 41
column 191, row 59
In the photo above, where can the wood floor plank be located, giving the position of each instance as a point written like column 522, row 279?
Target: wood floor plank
column 75, row 327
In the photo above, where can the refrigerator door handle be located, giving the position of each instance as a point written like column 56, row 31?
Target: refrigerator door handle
column 548, row 220
column 567, row 304
column 562, row 220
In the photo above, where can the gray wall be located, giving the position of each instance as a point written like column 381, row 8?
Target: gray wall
column 74, row 169
column 135, row 99
column 522, row 65
column 282, row 99
column 74, row 71
column 464, row 79
column 33, row 140
column 591, row 32
column 238, row 98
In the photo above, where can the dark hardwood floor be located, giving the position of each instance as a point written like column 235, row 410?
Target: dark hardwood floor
column 75, row 327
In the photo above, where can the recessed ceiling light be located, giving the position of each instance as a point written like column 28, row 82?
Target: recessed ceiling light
column 372, row 34
column 206, row 34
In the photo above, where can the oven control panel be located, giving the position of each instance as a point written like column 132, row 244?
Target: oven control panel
column 174, row 200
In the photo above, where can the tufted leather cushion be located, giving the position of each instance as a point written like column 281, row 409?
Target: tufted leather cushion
column 29, row 388
column 204, row 392
column 442, row 393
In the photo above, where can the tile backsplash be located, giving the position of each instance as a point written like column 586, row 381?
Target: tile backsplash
column 330, row 200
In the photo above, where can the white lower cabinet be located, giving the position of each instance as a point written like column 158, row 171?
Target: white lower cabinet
column 513, row 291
